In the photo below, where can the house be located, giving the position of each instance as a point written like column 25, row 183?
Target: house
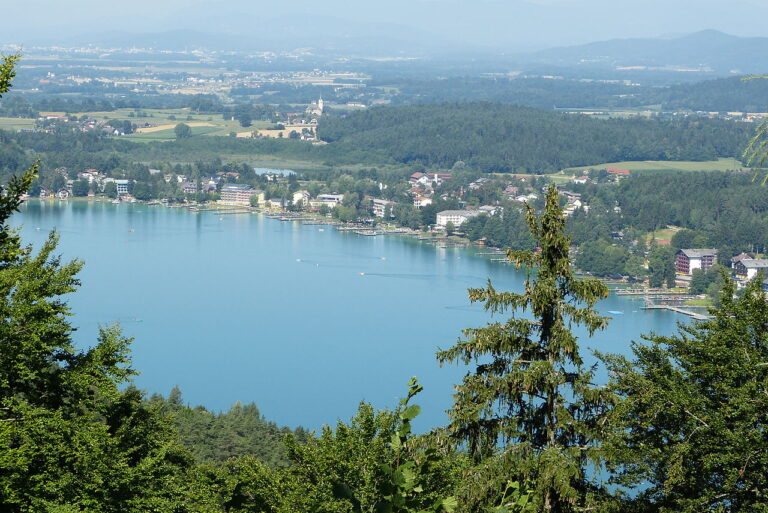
column 301, row 198
column 275, row 202
column 488, row 209
column 62, row 194
column 429, row 178
column 122, row 187
column 617, row 171
column 239, row 194
column 326, row 200
column 455, row 217
column 748, row 268
column 421, row 201
column 581, row 180
column 688, row 260
column 45, row 193
column 189, row 187
column 380, row 207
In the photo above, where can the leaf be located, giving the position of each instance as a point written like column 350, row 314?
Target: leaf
column 411, row 412
column 448, row 504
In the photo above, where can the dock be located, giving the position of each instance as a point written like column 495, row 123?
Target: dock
column 676, row 309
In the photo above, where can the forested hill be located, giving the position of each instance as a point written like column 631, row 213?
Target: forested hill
column 505, row 138
column 217, row 437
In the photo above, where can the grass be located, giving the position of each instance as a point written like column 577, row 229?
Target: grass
column 699, row 302
column 722, row 164
column 661, row 234
column 16, row 123
column 169, row 134
column 171, row 117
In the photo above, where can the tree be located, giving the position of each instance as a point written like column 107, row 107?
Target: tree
column 661, row 267
column 449, row 228
column 182, row 131
column 80, row 187
column 690, row 424
column 71, row 439
column 529, row 404
column 110, row 190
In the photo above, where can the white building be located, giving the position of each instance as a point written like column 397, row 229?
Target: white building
column 488, row 209
column 456, row 217
column 327, row 200
column 239, row 194
column 421, row 201
column 122, row 187
column 380, row 207
column 301, row 198
column 749, row 267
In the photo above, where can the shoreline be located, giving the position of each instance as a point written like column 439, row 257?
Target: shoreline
column 314, row 218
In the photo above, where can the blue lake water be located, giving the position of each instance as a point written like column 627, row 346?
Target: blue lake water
column 303, row 320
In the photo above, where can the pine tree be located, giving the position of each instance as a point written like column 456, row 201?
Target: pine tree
column 70, row 439
column 691, row 425
column 529, row 402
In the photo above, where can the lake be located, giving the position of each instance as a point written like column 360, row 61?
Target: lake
column 304, row 320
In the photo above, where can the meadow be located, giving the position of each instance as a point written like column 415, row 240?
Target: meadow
column 722, row 164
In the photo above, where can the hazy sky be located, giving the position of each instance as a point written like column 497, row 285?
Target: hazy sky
column 509, row 24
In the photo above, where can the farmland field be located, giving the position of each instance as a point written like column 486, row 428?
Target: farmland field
column 16, row 123
column 723, row 164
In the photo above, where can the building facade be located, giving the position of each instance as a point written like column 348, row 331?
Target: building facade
column 240, row 194
column 455, row 217
column 688, row 260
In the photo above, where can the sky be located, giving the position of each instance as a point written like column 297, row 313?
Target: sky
column 511, row 25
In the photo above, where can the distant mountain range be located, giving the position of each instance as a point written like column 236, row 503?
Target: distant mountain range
column 720, row 52
column 712, row 51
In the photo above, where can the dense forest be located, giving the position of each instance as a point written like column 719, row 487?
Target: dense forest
column 719, row 95
column 503, row 138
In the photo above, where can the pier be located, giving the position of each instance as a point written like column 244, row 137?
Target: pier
column 676, row 309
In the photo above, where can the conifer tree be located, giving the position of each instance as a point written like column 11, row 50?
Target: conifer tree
column 691, row 425
column 70, row 439
column 528, row 405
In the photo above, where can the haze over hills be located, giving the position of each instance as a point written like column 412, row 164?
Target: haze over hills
column 721, row 52
column 508, row 26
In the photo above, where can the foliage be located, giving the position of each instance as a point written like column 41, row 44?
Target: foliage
column 182, row 131
column 690, row 426
column 530, row 401
column 404, row 487
column 502, row 138
column 218, row 437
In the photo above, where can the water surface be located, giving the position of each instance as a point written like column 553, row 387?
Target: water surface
column 303, row 320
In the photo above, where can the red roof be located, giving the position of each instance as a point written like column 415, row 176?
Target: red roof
column 617, row 171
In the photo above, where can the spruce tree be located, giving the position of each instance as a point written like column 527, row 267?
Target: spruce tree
column 691, row 422
column 528, row 409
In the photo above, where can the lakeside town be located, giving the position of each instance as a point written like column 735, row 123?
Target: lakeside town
column 288, row 198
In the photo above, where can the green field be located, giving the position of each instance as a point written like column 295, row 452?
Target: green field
column 724, row 164
column 16, row 123
column 159, row 117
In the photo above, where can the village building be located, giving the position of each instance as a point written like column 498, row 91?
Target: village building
column 239, row 194
column 301, row 198
column 688, row 260
column 380, row 207
column 455, row 217
column 617, row 171
column 327, row 200
column 122, row 187
column 421, row 201
column 748, row 268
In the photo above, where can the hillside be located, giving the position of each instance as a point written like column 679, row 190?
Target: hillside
column 504, row 138
column 709, row 48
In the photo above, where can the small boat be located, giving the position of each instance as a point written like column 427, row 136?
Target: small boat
column 615, row 312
